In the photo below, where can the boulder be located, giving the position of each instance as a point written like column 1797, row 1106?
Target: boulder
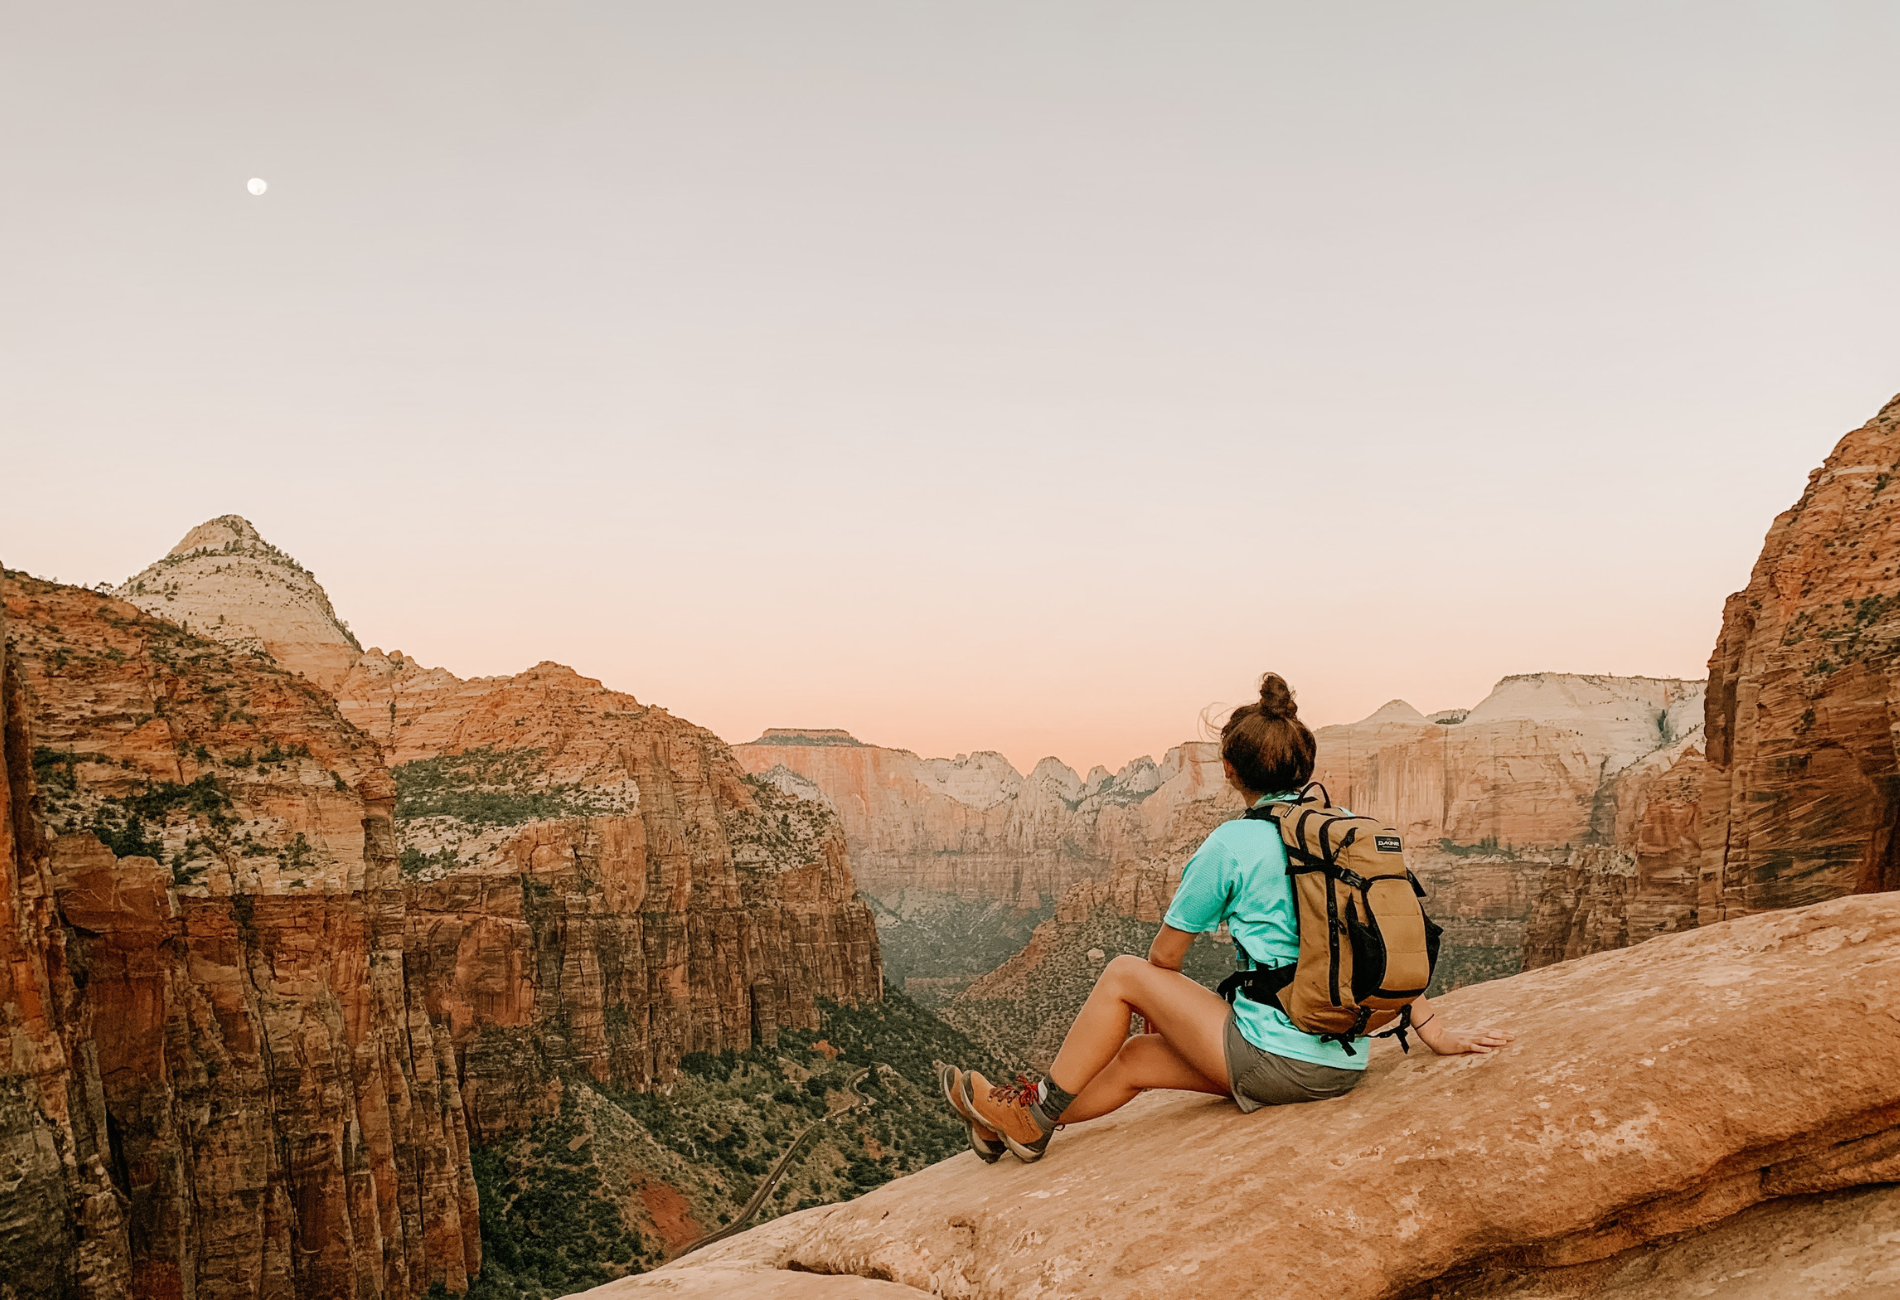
column 1653, row 1093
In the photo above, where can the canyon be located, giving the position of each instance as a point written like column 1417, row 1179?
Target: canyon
column 298, row 986
column 962, row 858
column 323, row 968
column 994, row 888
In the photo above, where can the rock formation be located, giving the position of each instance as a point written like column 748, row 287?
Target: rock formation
column 281, row 1116
column 62, row 1219
column 226, row 582
column 1802, row 797
column 973, row 827
column 595, row 885
column 1796, row 801
column 590, row 884
column 1544, row 805
column 1526, row 769
column 1659, row 1100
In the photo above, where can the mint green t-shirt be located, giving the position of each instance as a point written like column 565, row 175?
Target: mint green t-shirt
column 1238, row 875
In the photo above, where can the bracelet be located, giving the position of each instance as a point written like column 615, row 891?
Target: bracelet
column 1420, row 1026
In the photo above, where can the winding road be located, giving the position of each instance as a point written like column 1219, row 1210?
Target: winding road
column 744, row 1218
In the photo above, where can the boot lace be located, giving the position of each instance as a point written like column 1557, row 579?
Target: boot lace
column 1019, row 1093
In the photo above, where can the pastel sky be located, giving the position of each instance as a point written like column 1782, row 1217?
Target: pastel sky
column 1021, row 376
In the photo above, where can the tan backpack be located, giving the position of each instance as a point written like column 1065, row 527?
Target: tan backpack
column 1367, row 949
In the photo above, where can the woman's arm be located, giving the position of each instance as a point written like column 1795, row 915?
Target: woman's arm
column 1446, row 1041
column 1170, row 948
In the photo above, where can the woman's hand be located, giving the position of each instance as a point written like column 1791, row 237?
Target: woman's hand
column 1446, row 1041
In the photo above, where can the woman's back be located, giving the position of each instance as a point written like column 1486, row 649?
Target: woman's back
column 1238, row 876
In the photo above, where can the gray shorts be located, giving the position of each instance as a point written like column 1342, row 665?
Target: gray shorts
column 1260, row 1078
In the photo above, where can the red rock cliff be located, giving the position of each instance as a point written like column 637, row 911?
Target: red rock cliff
column 282, row 1117
column 973, row 826
column 62, row 1219
column 1802, row 797
column 597, row 885
column 590, row 884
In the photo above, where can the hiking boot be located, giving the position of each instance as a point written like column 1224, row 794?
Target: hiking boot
column 989, row 1148
column 1005, row 1108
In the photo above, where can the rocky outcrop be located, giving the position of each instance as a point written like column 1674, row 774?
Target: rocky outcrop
column 281, row 1117
column 1655, row 1096
column 595, row 885
column 973, row 827
column 1802, row 797
column 226, row 582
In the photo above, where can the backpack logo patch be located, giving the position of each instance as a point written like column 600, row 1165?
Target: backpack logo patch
column 1386, row 843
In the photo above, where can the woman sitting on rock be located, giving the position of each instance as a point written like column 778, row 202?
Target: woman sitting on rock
column 1195, row 1041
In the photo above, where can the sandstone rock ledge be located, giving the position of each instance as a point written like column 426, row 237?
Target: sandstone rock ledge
column 1654, row 1096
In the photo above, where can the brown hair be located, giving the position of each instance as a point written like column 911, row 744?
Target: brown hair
column 1269, row 746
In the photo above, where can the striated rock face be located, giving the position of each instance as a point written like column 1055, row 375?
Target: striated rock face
column 1644, row 881
column 1534, row 817
column 1653, row 1097
column 589, row 884
column 596, row 885
column 282, row 1119
column 226, row 582
column 1802, row 796
column 1528, row 768
column 975, row 828
column 62, row 1220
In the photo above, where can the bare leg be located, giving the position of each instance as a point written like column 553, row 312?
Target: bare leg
column 1144, row 1061
column 1191, row 1019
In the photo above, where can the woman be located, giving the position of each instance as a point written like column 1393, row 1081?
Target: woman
column 1250, row 1051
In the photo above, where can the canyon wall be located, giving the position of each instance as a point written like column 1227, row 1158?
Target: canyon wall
column 1801, row 801
column 973, row 827
column 589, row 884
column 62, row 1218
column 595, row 885
column 1536, row 817
column 1798, row 797
column 280, row 1116
column 1528, row 768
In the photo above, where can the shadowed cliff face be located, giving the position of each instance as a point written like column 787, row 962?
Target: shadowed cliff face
column 281, row 1116
column 1799, row 796
column 62, row 1219
column 596, row 885
column 1802, row 798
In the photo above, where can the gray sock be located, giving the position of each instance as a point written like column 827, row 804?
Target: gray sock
column 1051, row 1101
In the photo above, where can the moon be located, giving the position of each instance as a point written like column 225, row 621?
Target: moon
column 256, row 185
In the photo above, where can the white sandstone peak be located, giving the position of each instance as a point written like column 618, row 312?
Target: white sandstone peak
column 224, row 581
column 1393, row 711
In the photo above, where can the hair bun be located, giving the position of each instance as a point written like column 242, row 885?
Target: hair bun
column 1276, row 697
